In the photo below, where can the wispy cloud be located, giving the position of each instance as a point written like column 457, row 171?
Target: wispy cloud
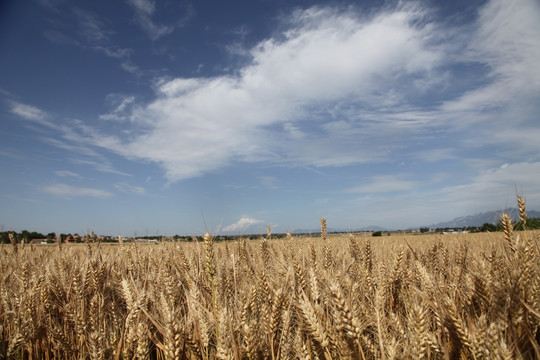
column 91, row 27
column 97, row 35
column 58, row 37
column 121, row 104
column 131, row 68
column 91, row 32
column 268, row 181
column 233, row 186
column 385, row 184
column 125, row 187
column 28, row 112
column 115, row 51
column 94, row 40
column 245, row 223
column 13, row 197
column 435, row 155
column 11, row 154
column 103, row 166
column 68, row 191
column 494, row 185
column 71, row 147
column 67, row 173
column 144, row 9
column 68, row 136
column 32, row 113
column 492, row 188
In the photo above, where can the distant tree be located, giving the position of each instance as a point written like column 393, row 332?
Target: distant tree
column 24, row 234
column 424, row 230
column 28, row 236
column 377, row 233
column 4, row 237
column 532, row 223
column 487, row 227
column 51, row 235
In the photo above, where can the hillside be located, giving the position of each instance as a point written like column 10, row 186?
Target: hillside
column 491, row 217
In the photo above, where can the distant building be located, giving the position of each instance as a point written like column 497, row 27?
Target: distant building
column 146, row 241
column 38, row 241
column 456, row 232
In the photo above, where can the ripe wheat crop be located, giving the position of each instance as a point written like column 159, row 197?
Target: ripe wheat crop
column 470, row 296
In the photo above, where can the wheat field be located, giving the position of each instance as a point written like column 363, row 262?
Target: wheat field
column 466, row 296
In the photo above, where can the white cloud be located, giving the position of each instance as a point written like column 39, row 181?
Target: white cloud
column 198, row 125
column 28, row 112
column 508, row 39
column 339, row 88
column 507, row 43
column 68, row 191
column 242, row 225
column 32, row 113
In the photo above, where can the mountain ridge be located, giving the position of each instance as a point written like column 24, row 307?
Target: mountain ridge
column 478, row 219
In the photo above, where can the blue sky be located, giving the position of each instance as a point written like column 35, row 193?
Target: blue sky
column 170, row 117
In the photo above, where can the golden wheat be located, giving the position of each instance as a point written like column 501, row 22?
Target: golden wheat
column 331, row 297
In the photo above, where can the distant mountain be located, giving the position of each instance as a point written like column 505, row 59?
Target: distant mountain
column 491, row 217
column 331, row 230
column 371, row 228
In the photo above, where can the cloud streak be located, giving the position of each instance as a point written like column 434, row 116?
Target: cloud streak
column 385, row 184
column 67, row 173
column 27, row 111
column 68, row 191
column 144, row 9
column 93, row 32
column 125, row 187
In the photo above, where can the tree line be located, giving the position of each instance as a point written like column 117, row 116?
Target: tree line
column 28, row 236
